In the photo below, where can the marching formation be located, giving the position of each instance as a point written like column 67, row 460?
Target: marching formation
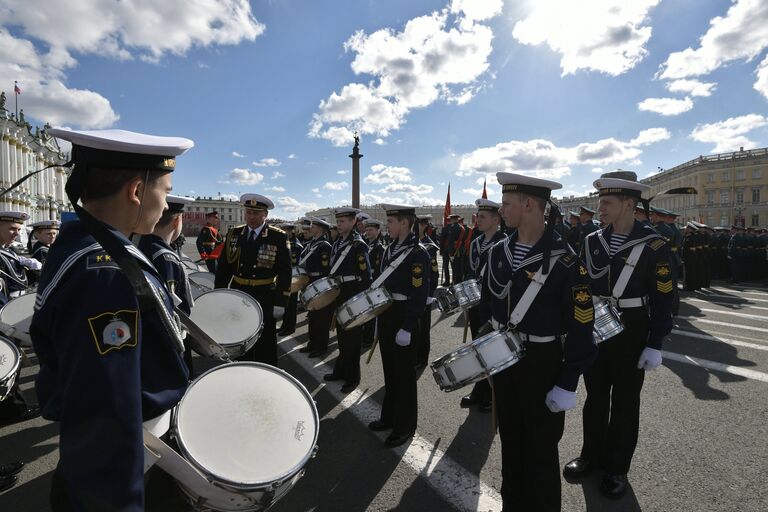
column 119, row 311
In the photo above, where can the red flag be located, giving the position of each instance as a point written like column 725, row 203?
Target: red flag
column 447, row 210
column 485, row 192
column 16, row 88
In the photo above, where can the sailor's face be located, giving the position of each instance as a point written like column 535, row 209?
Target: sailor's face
column 371, row 232
column 486, row 220
column 610, row 208
column 8, row 232
column 153, row 203
column 47, row 236
column 511, row 208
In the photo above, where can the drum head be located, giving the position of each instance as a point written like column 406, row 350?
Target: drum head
column 323, row 299
column 9, row 358
column 227, row 316
column 247, row 424
column 18, row 313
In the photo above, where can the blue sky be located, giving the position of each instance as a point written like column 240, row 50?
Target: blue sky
column 441, row 91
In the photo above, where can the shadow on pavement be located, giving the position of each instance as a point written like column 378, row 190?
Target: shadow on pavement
column 596, row 502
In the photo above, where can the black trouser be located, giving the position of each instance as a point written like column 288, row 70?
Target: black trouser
column 482, row 388
column 211, row 264
column 15, row 405
column 458, row 269
column 423, row 340
column 265, row 349
column 612, row 408
column 319, row 328
column 289, row 319
column 347, row 364
column 400, row 407
column 446, row 269
column 369, row 330
column 529, row 431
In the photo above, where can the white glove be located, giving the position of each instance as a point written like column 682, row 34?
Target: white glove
column 650, row 359
column 278, row 312
column 430, row 300
column 559, row 400
column 403, row 338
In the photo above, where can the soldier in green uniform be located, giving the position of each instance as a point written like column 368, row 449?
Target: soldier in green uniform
column 257, row 260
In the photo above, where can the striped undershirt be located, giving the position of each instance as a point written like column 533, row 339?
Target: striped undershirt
column 616, row 241
column 521, row 250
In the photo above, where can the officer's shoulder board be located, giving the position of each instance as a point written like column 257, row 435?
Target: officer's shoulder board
column 275, row 228
column 99, row 260
column 657, row 243
column 567, row 260
column 236, row 229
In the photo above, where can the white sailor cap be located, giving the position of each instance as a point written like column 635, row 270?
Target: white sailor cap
column 305, row 222
column 362, row 216
column 424, row 218
column 487, row 205
column 616, row 186
column 537, row 187
column 345, row 212
column 121, row 149
column 319, row 222
column 691, row 225
column 46, row 224
column 256, row 202
column 399, row 209
column 13, row 217
column 176, row 204
column 373, row 222
column 287, row 225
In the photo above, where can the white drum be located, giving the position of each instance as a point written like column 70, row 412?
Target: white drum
column 191, row 265
column 607, row 320
column 201, row 282
column 17, row 313
column 299, row 279
column 485, row 356
column 231, row 318
column 446, row 301
column 363, row 307
column 10, row 360
column 249, row 428
column 320, row 293
column 467, row 293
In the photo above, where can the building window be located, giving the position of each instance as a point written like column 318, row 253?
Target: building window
column 740, row 175
column 757, row 174
column 755, row 219
column 726, row 176
column 229, row 217
column 711, row 177
column 755, row 195
column 710, row 197
column 740, row 196
column 724, row 197
column 723, row 219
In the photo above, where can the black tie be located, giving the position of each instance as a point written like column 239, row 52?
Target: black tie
column 252, row 238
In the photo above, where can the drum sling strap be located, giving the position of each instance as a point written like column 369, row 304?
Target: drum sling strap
column 340, row 260
column 626, row 272
column 391, row 267
column 531, row 291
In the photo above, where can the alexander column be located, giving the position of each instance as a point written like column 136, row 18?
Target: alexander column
column 356, row 156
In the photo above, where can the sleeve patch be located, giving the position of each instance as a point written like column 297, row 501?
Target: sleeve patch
column 664, row 287
column 325, row 259
column 416, row 275
column 657, row 244
column 583, row 315
column 114, row 330
column 100, row 260
column 361, row 262
column 581, row 295
column 582, row 270
column 663, row 271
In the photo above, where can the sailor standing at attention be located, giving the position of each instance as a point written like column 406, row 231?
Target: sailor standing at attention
column 539, row 290
column 629, row 265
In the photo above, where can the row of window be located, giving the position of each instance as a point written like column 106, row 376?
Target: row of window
column 754, row 220
column 741, row 175
column 725, row 196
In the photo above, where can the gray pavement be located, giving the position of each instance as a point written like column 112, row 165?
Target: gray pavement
column 702, row 445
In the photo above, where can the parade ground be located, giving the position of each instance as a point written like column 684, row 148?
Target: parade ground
column 702, row 442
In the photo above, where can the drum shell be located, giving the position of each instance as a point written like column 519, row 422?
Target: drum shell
column 467, row 293
column 608, row 321
column 200, row 283
column 9, row 368
column 299, row 279
column 234, row 348
column 18, row 314
column 363, row 307
column 319, row 294
column 485, row 356
column 446, row 301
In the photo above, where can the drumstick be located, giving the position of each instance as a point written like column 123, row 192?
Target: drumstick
column 333, row 322
column 373, row 347
column 494, row 418
column 466, row 325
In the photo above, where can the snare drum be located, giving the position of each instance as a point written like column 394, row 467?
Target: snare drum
column 467, row 293
column 10, row 359
column 607, row 320
column 299, row 279
column 18, row 314
column 362, row 307
column 191, row 265
column 486, row 356
column 231, row 318
column 201, row 282
column 318, row 294
column 446, row 301
column 250, row 429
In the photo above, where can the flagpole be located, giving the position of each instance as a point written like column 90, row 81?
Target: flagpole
column 16, row 97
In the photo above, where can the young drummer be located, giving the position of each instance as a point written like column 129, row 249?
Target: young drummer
column 409, row 285
column 375, row 252
column 45, row 231
column 423, row 342
column 316, row 261
column 556, row 332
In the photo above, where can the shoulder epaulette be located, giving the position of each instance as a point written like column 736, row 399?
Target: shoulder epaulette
column 567, row 260
column 656, row 244
column 274, row 228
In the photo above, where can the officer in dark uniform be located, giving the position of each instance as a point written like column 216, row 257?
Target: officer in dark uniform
column 676, row 246
column 423, row 339
column 488, row 220
column 289, row 319
column 409, row 285
column 109, row 347
column 208, row 239
column 375, row 252
column 157, row 248
column 316, row 261
column 612, row 409
column 586, row 224
column 13, row 283
column 556, row 331
column 641, row 216
column 45, row 231
column 350, row 265
column 257, row 260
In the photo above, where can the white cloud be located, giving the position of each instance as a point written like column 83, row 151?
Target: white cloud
column 291, row 156
column 277, row 174
column 230, row 197
column 291, row 205
column 396, row 186
column 598, row 170
column 741, row 34
column 267, row 162
column 237, row 155
column 243, row 177
column 379, row 142
column 730, row 134
column 761, row 85
column 275, row 188
column 692, row 87
column 336, row 185
column 608, row 36
column 342, row 172
column 122, row 30
column 384, row 174
column 666, row 106
column 436, row 56
column 542, row 158
column 316, row 190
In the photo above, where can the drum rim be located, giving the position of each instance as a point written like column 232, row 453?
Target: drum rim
column 4, row 307
column 249, row 486
column 365, row 293
column 244, row 295
column 16, row 352
column 468, row 349
column 464, row 284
